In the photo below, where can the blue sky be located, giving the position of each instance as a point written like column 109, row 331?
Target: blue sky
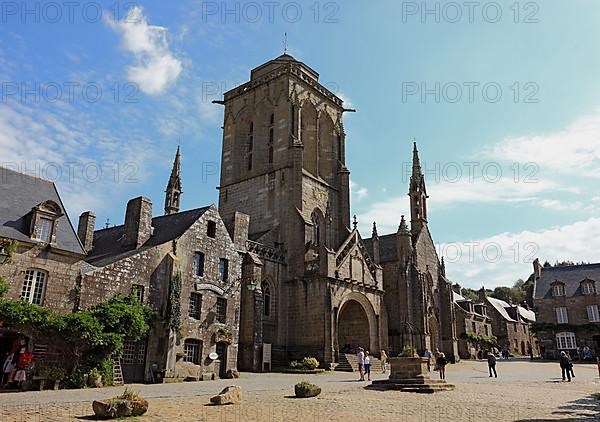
column 159, row 66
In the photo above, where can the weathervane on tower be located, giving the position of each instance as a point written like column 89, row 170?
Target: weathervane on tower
column 285, row 43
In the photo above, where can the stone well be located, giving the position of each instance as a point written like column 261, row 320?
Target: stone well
column 411, row 375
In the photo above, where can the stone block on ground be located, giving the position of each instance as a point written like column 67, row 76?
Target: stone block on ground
column 305, row 390
column 232, row 373
column 229, row 395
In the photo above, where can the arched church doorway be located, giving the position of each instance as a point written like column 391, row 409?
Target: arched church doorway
column 353, row 327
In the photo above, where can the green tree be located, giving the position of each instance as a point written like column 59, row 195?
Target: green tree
column 470, row 294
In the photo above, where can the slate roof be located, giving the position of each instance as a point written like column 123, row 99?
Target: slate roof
column 19, row 193
column 571, row 276
column 387, row 247
column 108, row 242
column 500, row 306
column 526, row 314
column 457, row 298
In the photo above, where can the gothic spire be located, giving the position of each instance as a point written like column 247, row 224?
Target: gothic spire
column 418, row 195
column 375, row 230
column 173, row 192
column 403, row 228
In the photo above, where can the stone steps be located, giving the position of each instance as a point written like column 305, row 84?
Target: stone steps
column 426, row 386
column 348, row 362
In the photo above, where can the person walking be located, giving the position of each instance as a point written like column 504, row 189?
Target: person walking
column 368, row 365
column 441, row 364
column 7, row 368
column 427, row 355
column 570, row 364
column 492, row 364
column 564, row 366
column 384, row 361
column 436, row 355
column 361, row 363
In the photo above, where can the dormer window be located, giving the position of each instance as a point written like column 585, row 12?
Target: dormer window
column 43, row 229
column 44, row 221
column 587, row 287
column 558, row 289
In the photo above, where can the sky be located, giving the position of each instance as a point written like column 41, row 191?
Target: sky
column 502, row 99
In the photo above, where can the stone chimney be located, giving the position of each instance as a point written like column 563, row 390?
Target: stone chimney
column 482, row 295
column 238, row 229
column 457, row 289
column 537, row 269
column 138, row 222
column 85, row 230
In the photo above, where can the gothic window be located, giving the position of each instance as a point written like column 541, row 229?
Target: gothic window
column 34, row 286
column 272, row 119
column 191, row 351
column 316, row 228
column 250, row 146
column 266, row 291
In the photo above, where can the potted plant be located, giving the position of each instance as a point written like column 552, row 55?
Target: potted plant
column 53, row 375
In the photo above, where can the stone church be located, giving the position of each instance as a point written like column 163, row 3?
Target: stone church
column 311, row 285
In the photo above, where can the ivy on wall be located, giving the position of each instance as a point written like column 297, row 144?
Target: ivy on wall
column 87, row 339
column 174, row 306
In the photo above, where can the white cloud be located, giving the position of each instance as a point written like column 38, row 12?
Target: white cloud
column 155, row 68
column 357, row 193
column 575, row 149
column 503, row 258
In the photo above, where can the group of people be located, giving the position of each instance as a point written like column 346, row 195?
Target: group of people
column 15, row 366
column 440, row 362
column 364, row 363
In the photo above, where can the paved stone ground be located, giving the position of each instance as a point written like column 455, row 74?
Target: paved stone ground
column 524, row 391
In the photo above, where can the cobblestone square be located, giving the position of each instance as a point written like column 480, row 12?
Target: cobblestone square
column 523, row 391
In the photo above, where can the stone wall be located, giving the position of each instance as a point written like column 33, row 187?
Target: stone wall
column 63, row 270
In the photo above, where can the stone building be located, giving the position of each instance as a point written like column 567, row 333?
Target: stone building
column 151, row 256
column 313, row 285
column 511, row 324
column 46, row 267
column 566, row 304
column 418, row 297
column 471, row 320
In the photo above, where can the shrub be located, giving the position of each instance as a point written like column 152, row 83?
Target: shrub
column 310, row 363
column 306, row 363
column 408, row 352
